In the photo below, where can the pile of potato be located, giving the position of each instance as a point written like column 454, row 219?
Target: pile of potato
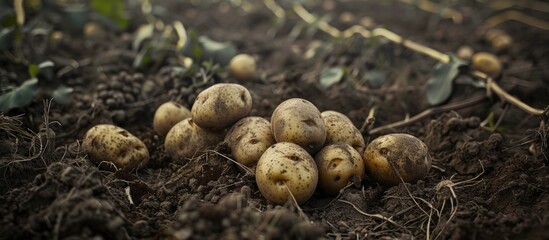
column 298, row 150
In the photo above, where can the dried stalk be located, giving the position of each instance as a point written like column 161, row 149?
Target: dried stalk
column 436, row 8
column 515, row 16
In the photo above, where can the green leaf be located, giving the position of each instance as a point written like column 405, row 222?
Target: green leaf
column 6, row 38
column 330, row 76
column 19, row 97
column 33, row 70
column 143, row 32
column 114, row 9
column 62, row 94
column 439, row 85
column 45, row 69
column 219, row 52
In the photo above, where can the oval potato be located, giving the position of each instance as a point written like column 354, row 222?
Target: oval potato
column 286, row 167
column 338, row 164
column 249, row 138
column 339, row 128
column 404, row 153
column 298, row 121
column 186, row 140
column 242, row 67
column 221, row 105
column 109, row 143
column 167, row 115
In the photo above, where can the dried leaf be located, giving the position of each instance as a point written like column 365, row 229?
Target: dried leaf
column 143, row 32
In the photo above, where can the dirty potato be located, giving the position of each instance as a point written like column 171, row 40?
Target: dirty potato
column 221, row 105
column 283, row 168
column 248, row 139
column 339, row 128
column 106, row 144
column 298, row 121
column 167, row 115
column 186, row 140
column 391, row 157
column 338, row 164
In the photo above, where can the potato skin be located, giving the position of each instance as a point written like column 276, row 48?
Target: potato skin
column 116, row 145
column 167, row 115
column 339, row 128
column 186, row 140
column 298, row 121
column 406, row 153
column 337, row 165
column 286, row 166
column 249, row 138
column 221, row 105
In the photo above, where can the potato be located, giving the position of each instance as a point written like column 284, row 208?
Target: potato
column 286, row 167
column 186, row 140
column 401, row 152
column 167, row 115
column 242, row 67
column 487, row 63
column 109, row 143
column 298, row 121
column 339, row 128
column 221, row 105
column 249, row 138
column 338, row 164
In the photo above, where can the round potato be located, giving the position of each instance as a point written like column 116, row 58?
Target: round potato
column 109, row 143
column 339, row 128
column 167, row 115
column 286, row 167
column 186, row 140
column 338, row 164
column 242, row 67
column 487, row 63
column 221, row 105
column 248, row 139
column 298, row 121
column 391, row 157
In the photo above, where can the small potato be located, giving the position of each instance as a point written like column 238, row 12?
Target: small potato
column 298, row 121
column 242, row 67
column 401, row 152
column 338, row 164
column 249, row 138
column 339, row 128
column 221, row 105
column 109, row 143
column 167, row 115
column 186, row 140
column 286, row 167
column 487, row 63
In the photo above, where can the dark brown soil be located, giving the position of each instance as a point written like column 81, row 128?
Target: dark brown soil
column 483, row 184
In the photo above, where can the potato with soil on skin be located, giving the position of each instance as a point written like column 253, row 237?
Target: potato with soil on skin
column 339, row 128
column 487, row 63
column 167, row 115
column 109, row 143
column 338, row 164
column 404, row 153
column 221, row 105
column 298, row 121
column 286, row 167
column 186, row 140
column 248, row 140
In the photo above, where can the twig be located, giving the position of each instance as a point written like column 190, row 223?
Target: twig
column 378, row 216
column 369, row 121
column 533, row 5
column 515, row 16
column 427, row 113
column 436, row 8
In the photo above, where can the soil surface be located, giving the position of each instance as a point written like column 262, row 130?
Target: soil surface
column 485, row 183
